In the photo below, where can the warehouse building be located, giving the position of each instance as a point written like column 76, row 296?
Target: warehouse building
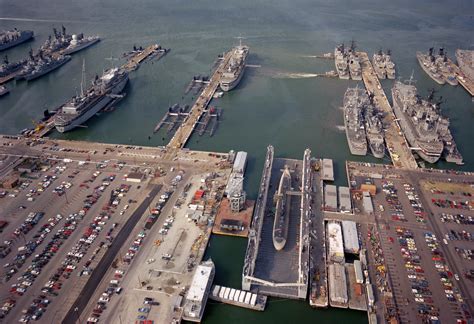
column 330, row 198
column 351, row 239
column 345, row 205
column 337, row 285
column 327, row 170
column 336, row 247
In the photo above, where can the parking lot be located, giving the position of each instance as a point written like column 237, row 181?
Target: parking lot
column 424, row 270
column 59, row 222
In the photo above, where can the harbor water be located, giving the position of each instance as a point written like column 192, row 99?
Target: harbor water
column 279, row 101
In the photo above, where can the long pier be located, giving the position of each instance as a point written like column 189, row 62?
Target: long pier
column 184, row 132
column 134, row 62
column 463, row 80
column 398, row 147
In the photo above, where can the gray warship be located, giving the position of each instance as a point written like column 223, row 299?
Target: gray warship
column 281, row 222
column 7, row 67
column 79, row 109
column 355, row 100
column 235, row 71
column 428, row 64
column 420, row 121
column 11, row 38
column 79, row 42
column 41, row 64
column 378, row 62
column 445, row 67
column 374, row 129
column 340, row 60
column 354, row 63
column 56, row 43
column 389, row 65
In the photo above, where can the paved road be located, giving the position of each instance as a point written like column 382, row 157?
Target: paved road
column 81, row 302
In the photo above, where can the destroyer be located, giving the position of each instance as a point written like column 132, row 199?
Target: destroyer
column 79, row 109
column 40, row 65
column 355, row 99
column 281, row 222
column 14, row 37
column 419, row 121
column 340, row 60
column 379, row 64
column 354, row 63
column 428, row 64
column 374, row 129
column 232, row 76
column 79, row 42
column 8, row 67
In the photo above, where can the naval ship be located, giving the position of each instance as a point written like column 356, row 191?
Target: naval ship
column 428, row 64
column 232, row 76
column 419, row 120
column 445, row 68
column 282, row 217
column 355, row 99
column 79, row 42
column 378, row 61
column 354, row 63
column 340, row 60
column 14, row 37
column 7, row 67
column 40, row 65
column 374, row 129
column 79, row 109
column 389, row 65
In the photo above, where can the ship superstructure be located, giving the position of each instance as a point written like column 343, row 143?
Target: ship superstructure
column 79, row 42
column 281, row 222
column 389, row 65
column 79, row 109
column 41, row 64
column 340, row 60
column 235, row 70
column 374, row 129
column 437, row 66
column 355, row 99
column 420, row 121
column 383, row 65
column 14, row 37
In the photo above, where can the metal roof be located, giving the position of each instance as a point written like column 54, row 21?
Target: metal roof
column 351, row 240
column 240, row 162
column 199, row 283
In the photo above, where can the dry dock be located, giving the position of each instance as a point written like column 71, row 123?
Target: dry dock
column 398, row 147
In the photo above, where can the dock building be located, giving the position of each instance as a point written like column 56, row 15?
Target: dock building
column 335, row 242
column 337, row 286
column 327, row 170
column 198, row 293
column 345, row 205
column 330, row 198
column 351, row 238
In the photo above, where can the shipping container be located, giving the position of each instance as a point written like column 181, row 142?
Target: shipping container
column 248, row 296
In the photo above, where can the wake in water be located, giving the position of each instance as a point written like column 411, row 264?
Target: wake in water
column 340, row 128
column 289, row 75
column 39, row 20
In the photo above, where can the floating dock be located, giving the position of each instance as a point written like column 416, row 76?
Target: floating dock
column 238, row 298
column 398, row 147
column 154, row 50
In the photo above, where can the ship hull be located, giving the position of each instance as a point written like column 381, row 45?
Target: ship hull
column 352, row 147
column 427, row 71
column 31, row 77
column 231, row 85
column 281, row 221
column 98, row 106
column 25, row 36
column 379, row 154
column 80, row 47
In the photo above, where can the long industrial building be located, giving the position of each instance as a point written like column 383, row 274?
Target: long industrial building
column 337, row 286
column 330, row 198
column 345, row 205
column 335, row 242
column 351, row 238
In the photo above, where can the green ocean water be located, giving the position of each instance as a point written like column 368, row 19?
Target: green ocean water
column 278, row 102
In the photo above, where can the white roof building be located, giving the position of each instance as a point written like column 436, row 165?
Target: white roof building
column 351, row 239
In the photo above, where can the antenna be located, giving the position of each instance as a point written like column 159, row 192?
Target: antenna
column 83, row 78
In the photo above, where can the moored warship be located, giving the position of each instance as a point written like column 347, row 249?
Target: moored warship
column 235, row 71
column 79, row 109
column 281, row 222
column 7, row 67
column 14, row 37
column 428, row 64
column 40, row 65
column 378, row 61
column 355, row 99
column 340, row 60
column 79, row 42
column 389, row 65
column 420, row 121
column 374, row 129
column 354, row 63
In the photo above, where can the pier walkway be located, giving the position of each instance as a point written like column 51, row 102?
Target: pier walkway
column 133, row 63
column 184, row 132
column 398, row 147
column 463, row 80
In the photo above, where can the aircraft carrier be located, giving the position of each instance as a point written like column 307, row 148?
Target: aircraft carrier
column 11, row 38
column 355, row 100
column 280, row 225
column 419, row 121
column 79, row 109
column 236, row 68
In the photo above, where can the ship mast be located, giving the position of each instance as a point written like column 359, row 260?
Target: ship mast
column 83, row 77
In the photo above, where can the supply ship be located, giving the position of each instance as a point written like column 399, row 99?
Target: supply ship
column 281, row 222
column 79, row 42
column 355, row 99
column 40, row 65
column 419, row 120
column 79, row 109
column 14, row 37
column 235, row 71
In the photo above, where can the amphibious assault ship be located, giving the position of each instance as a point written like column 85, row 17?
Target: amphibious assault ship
column 374, row 129
column 41, row 64
column 79, row 42
column 14, row 37
column 79, row 109
column 281, row 222
column 419, row 120
column 235, row 71
column 355, row 99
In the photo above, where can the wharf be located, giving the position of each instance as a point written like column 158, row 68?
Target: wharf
column 184, row 132
column 243, row 217
column 134, row 62
column 9, row 77
column 398, row 147
column 238, row 298
column 463, row 80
